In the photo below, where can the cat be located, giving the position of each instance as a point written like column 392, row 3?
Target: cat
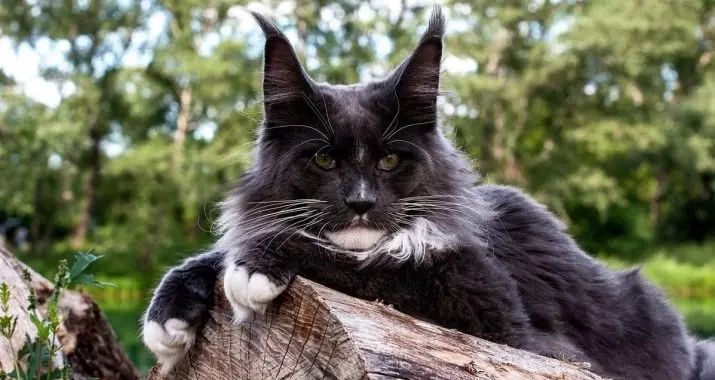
column 357, row 188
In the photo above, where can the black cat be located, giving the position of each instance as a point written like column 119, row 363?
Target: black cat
column 355, row 187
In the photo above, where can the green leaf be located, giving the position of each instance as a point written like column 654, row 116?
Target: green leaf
column 4, row 294
column 11, row 375
column 32, row 300
column 34, row 359
column 56, row 373
column 43, row 330
column 88, row 279
column 53, row 316
column 82, row 261
column 8, row 323
column 26, row 275
column 26, row 347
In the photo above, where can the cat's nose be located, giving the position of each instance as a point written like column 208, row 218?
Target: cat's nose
column 360, row 205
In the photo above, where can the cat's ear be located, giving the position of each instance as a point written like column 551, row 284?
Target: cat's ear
column 284, row 80
column 416, row 80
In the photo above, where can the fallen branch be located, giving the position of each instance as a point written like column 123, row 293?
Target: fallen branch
column 88, row 341
column 313, row 332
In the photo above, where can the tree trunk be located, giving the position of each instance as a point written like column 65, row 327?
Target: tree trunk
column 661, row 184
column 35, row 224
column 91, row 183
column 182, row 126
column 499, row 136
column 88, row 341
column 514, row 173
column 312, row 332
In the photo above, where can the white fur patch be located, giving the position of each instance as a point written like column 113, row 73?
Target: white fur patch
column 169, row 343
column 356, row 237
column 415, row 241
column 409, row 243
column 248, row 294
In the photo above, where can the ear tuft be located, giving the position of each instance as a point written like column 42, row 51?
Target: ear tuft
column 416, row 80
column 437, row 24
column 269, row 27
column 284, row 80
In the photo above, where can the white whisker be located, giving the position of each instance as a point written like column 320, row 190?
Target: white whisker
column 411, row 143
column 394, row 119
column 325, row 138
column 327, row 115
column 314, row 108
column 297, row 145
column 407, row 126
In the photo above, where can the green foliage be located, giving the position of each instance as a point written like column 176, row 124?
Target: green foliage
column 591, row 105
column 82, row 261
column 8, row 323
column 38, row 357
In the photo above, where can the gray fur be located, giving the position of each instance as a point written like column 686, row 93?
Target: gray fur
column 705, row 360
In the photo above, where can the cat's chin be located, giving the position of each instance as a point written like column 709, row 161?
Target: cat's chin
column 356, row 237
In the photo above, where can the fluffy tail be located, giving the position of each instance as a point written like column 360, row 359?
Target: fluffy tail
column 705, row 360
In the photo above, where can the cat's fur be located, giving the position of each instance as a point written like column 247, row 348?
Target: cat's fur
column 486, row 260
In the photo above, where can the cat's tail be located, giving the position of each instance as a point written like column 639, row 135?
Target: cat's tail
column 705, row 360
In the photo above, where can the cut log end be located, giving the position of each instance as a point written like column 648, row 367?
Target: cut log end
column 315, row 332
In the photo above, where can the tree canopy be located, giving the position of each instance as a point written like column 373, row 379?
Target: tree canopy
column 602, row 110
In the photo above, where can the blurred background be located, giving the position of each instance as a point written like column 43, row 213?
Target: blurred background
column 123, row 122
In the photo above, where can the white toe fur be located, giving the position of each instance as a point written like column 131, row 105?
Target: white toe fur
column 170, row 342
column 248, row 294
column 262, row 290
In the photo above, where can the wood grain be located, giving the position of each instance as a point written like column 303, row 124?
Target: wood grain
column 312, row 332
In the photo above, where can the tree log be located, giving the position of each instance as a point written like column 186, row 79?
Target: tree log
column 312, row 332
column 88, row 341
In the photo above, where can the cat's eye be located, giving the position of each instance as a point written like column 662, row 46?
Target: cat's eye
column 324, row 161
column 388, row 162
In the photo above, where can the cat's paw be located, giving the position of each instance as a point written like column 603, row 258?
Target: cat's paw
column 249, row 293
column 169, row 342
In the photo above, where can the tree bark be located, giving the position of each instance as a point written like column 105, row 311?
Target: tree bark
column 514, row 173
column 91, row 184
column 88, row 341
column 312, row 332
column 35, row 224
column 182, row 126
column 661, row 183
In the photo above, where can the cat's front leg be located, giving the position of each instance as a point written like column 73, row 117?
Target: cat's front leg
column 253, row 278
column 179, row 307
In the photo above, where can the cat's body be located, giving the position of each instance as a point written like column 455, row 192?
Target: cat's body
column 356, row 188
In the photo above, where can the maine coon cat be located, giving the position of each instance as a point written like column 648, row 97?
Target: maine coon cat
column 355, row 187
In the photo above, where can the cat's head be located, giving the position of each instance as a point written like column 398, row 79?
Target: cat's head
column 361, row 168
